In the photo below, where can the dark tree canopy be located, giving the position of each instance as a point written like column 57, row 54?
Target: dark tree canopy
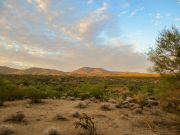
column 166, row 55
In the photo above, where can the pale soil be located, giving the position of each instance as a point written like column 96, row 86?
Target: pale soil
column 115, row 122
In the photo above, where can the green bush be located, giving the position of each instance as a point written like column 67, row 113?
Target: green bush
column 169, row 93
column 87, row 90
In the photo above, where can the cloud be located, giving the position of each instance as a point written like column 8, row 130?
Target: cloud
column 178, row 1
column 124, row 4
column 43, row 4
column 134, row 12
column 90, row 1
column 65, row 41
column 157, row 18
column 177, row 19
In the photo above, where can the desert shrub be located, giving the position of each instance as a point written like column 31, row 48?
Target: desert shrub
column 140, row 98
column 169, row 94
column 52, row 131
column 1, row 103
column 6, row 130
column 87, row 90
column 19, row 117
column 85, row 122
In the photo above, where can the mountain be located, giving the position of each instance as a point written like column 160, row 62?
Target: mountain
column 30, row 71
column 8, row 70
column 90, row 71
column 41, row 71
column 84, row 71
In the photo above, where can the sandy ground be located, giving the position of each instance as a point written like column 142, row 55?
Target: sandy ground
column 115, row 122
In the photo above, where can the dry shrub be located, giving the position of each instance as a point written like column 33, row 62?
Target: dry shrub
column 52, row 131
column 19, row 117
column 86, row 124
column 145, row 122
column 6, row 130
column 61, row 117
column 1, row 103
column 36, row 101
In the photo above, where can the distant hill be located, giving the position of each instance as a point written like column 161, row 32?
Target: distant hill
column 84, row 71
column 90, row 71
column 30, row 71
column 8, row 70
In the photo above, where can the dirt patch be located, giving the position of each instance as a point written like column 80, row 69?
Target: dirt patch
column 58, row 113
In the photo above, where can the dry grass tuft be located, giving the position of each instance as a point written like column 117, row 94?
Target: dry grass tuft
column 1, row 103
column 6, row 130
column 61, row 117
column 19, row 117
column 85, row 123
column 36, row 101
column 52, row 131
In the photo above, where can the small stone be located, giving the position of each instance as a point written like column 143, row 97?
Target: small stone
column 61, row 117
column 52, row 131
column 113, row 101
column 88, row 101
column 106, row 107
column 137, row 111
column 82, row 104
column 6, row 130
column 28, row 106
column 129, row 99
column 76, row 114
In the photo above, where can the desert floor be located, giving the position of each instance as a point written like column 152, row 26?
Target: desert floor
column 40, row 117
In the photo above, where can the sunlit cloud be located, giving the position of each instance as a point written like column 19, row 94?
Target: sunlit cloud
column 66, row 35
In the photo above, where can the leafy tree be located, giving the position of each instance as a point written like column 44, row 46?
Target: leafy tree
column 166, row 59
column 166, row 55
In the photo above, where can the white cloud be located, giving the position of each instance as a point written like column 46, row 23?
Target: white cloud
column 177, row 19
column 158, row 16
column 134, row 12
column 123, row 13
column 43, row 4
column 125, row 4
column 63, row 41
column 90, row 1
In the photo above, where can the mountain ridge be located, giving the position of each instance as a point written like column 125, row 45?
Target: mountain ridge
column 83, row 71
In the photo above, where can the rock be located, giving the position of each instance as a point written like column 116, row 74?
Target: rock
column 92, row 98
column 71, row 98
column 28, row 106
column 129, row 99
column 134, row 106
column 61, row 117
column 6, row 130
column 76, row 114
column 82, row 104
column 88, row 101
column 113, row 101
column 137, row 111
column 150, row 102
column 124, row 104
column 106, row 107
column 63, row 97
column 52, row 131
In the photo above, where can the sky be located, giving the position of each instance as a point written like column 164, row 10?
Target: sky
column 69, row 34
